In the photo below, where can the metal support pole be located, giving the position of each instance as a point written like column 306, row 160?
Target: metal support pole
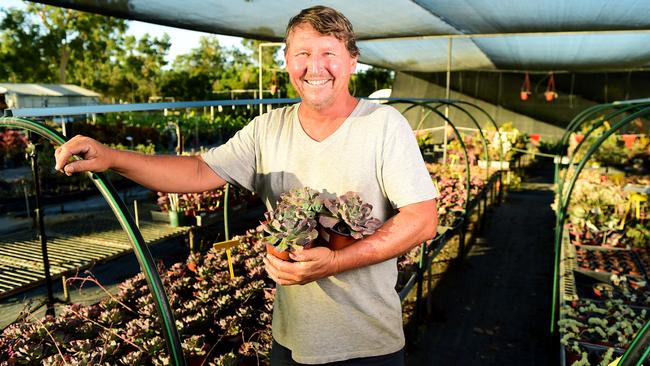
column 135, row 213
column 259, row 60
column 447, row 94
column 461, row 243
column 420, row 280
column 66, row 290
column 261, row 66
column 38, row 213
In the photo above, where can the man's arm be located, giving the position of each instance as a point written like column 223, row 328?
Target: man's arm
column 412, row 225
column 177, row 174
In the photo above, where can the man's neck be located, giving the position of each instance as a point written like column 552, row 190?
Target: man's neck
column 321, row 123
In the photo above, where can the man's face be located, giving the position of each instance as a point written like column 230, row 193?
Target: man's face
column 319, row 67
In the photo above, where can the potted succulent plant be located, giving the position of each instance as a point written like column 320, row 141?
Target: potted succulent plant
column 345, row 220
column 292, row 224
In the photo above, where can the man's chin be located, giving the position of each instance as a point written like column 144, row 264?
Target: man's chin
column 316, row 103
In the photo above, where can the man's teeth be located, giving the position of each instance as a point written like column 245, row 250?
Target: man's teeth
column 316, row 82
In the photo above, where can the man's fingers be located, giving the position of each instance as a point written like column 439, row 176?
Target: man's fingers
column 63, row 155
column 80, row 146
column 280, row 271
column 78, row 166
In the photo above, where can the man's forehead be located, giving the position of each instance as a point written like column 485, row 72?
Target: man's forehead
column 307, row 30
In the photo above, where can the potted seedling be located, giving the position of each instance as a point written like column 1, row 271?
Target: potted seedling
column 345, row 220
column 291, row 226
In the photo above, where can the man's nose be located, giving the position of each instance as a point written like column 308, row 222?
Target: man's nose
column 314, row 64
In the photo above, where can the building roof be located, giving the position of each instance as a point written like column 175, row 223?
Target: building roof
column 47, row 90
column 413, row 35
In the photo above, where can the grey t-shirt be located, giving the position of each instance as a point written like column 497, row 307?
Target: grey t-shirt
column 374, row 152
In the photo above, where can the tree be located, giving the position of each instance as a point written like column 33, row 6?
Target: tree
column 20, row 58
column 365, row 82
column 45, row 44
column 140, row 64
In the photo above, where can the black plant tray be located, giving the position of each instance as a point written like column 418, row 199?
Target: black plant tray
column 643, row 255
column 613, row 260
column 596, row 286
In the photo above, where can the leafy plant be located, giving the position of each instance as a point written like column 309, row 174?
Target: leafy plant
column 292, row 224
column 349, row 215
column 12, row 145
column 124, row 328
column 195, row 204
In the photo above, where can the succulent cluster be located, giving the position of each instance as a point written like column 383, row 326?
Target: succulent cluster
column 221, row 321
column 610, row 324
column 451, row 184
column 598, row 208
column 349, row 215
column 293, row 222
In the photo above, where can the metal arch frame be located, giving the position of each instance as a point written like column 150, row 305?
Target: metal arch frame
column 447, row 103
column 453, row 102
column 562, row 179
column 460, row 138
column 140, row 248
column 496, row 130
column 636, row 347
column 478, row 126
column 581, row 118
column 494, row 123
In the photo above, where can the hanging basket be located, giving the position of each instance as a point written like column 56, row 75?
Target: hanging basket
column 525, row 89
column 550, row 96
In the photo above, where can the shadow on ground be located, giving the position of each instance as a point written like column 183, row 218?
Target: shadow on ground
column 495, row 308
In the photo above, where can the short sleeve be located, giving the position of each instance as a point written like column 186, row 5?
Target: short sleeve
column 404, row 174
column 235, row 161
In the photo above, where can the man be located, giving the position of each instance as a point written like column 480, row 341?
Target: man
column 331, row 306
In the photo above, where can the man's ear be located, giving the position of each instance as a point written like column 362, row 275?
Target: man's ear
column 353, row 64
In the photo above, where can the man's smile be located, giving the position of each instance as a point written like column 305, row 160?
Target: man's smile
column 318, row 82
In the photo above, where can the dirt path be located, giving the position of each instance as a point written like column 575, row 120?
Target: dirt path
column 494, row 310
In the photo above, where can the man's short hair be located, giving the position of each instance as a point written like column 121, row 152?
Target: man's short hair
column 326, row 21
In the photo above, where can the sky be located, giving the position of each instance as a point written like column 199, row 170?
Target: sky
column 182, row 40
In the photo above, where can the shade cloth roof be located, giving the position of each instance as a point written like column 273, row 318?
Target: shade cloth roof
column 413, row 35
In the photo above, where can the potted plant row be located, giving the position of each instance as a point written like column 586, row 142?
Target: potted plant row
column 587, row 325
column 221, row 321
column 200, row 209
column 304, row 218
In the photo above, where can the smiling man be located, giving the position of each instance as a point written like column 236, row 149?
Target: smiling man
column 331, row 307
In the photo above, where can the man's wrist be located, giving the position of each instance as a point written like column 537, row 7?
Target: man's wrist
column 336, row 262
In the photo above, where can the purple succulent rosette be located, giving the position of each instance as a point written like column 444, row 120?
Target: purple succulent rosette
column 348, row 214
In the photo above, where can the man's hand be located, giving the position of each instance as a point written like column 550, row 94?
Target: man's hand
column 310, row 265
column 96, row 157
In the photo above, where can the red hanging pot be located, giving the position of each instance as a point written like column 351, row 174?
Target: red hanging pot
column 629, row 140
column 525, row 89
column 550, row 93
column 579, row 138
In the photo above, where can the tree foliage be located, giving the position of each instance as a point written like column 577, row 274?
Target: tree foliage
column 46, row 44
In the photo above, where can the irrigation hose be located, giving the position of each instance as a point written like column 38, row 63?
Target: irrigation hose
column 140, row 249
